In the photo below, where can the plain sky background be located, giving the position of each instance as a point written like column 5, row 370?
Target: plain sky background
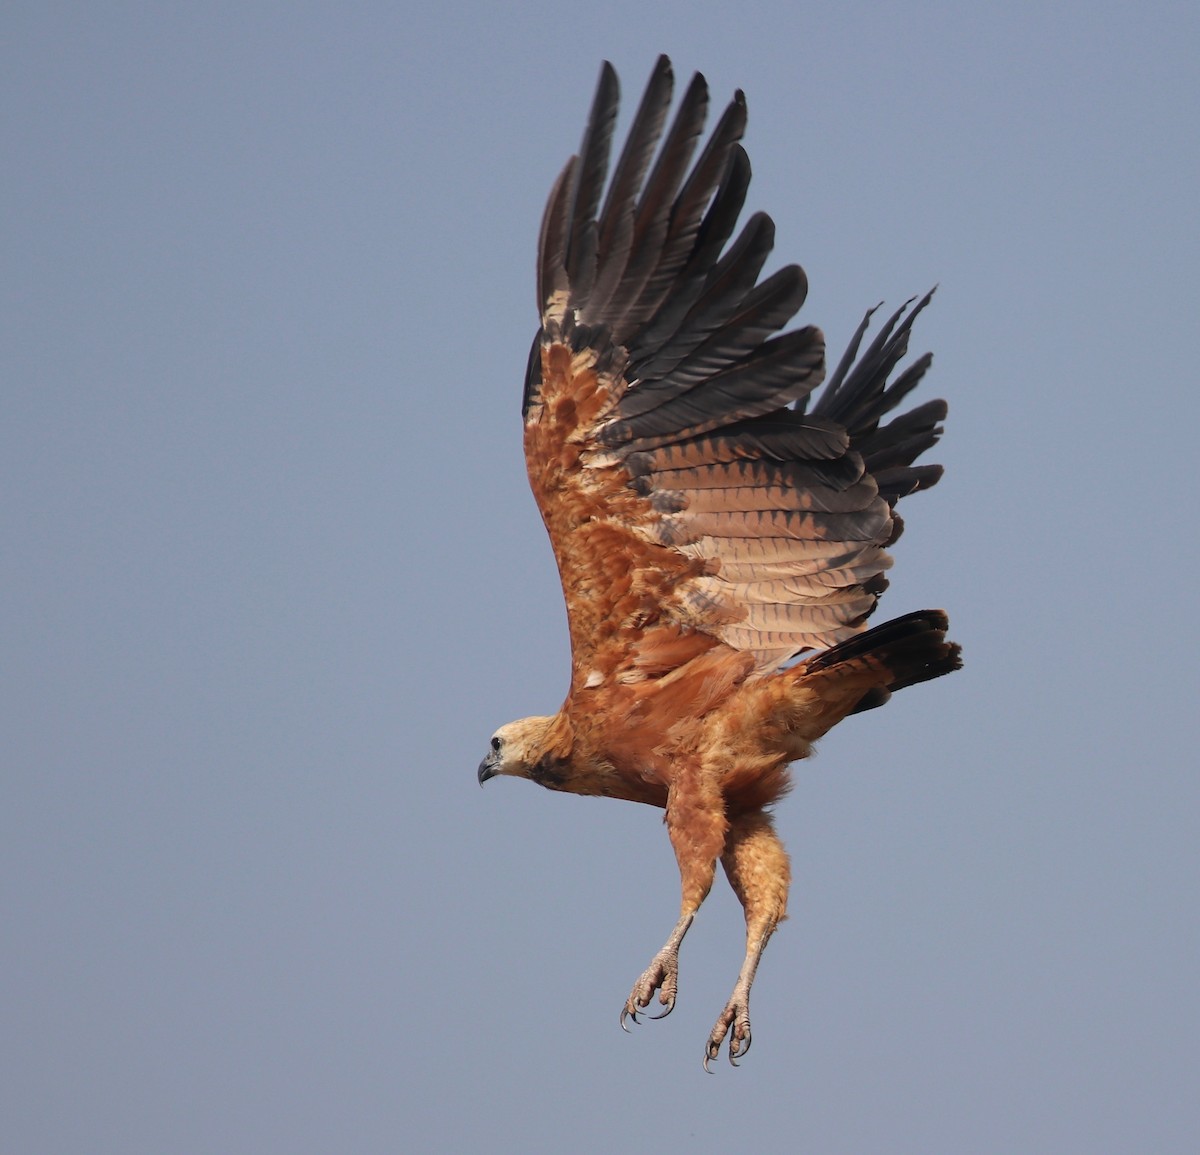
column 270, row 576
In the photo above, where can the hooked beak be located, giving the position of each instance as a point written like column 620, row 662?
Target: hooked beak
column 489, row 768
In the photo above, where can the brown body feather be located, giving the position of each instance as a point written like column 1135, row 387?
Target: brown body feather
column 707, row 527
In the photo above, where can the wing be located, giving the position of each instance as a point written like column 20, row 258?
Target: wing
column 692, row 496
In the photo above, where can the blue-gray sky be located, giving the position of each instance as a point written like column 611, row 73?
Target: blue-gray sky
column 271, row 576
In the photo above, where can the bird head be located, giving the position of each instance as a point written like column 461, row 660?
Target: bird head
column 517, row 749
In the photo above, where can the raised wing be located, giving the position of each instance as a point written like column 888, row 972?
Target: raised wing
column 691, row 494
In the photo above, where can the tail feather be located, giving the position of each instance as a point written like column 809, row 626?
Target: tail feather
column 900, row 653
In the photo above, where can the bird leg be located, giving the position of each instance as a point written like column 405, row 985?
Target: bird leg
column 696, row 824
column 757, row 867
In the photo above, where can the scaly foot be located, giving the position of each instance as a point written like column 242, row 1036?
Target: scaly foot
column 734, row 1022
column 661, row 975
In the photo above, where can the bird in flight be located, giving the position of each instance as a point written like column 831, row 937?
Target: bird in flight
column 720, row 531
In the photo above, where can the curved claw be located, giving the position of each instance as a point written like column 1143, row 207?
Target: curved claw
column 669, row 1006
column 739, row 1052
column 626, row 1013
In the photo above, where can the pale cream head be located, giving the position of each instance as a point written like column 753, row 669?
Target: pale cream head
column 516, row 748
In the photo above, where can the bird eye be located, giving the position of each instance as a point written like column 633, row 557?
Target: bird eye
column 496, row 745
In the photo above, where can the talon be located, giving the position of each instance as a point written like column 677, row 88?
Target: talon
column 734, row 1021
column 669, row 1004
column 662, row 975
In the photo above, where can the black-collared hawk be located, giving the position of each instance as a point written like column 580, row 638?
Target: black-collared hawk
column 720, row 532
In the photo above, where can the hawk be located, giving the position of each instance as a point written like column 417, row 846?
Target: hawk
column 721, row 530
